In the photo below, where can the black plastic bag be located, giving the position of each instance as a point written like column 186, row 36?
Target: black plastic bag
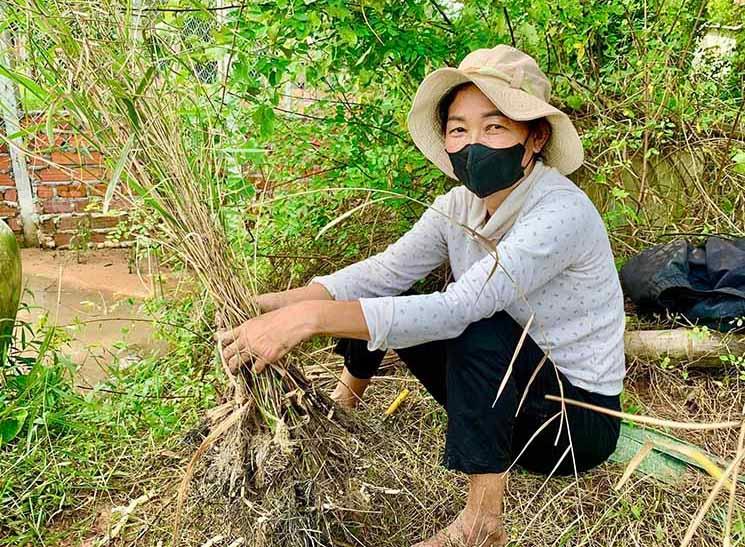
column 705, row 284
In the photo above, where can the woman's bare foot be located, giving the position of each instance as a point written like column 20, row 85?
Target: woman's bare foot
column 466, row 531
column 349, row 390
column 480, row 524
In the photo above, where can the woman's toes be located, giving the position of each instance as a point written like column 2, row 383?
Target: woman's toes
column 450, row 536
column 484, row 532
column 344, row 400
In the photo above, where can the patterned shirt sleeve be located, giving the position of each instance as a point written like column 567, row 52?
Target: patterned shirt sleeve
column 543, row 242
column 404, row 262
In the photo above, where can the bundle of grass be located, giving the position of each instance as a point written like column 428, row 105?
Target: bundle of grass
column 277, row 453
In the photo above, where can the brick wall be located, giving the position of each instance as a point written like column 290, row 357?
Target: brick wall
column 8, row 194
column 68, row 181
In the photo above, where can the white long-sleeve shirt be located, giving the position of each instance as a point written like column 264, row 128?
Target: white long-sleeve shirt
column 557, row 253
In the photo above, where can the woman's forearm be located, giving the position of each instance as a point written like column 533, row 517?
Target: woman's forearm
column 275, row 300
column 339, row 319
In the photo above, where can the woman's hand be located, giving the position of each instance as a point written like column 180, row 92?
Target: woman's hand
column 268, row 337
column 275, row 300
column 270, row 301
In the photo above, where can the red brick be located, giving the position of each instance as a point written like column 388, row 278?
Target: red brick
column 67, row 158
column 37, row 162
column 90, row 172
column 11, row 195
column 79, row 205
column 7, row 180
column 52, row 174
column 57, row 206
column 70, row 223
column 31, row 119
column 4, row 162
column 76, row 140
column 39, row 142
column 72, row 191
column 8, row 211
column 93, row 158
column 48, row 226
column 97, row 189
column 15, row 224
column 44, row 191
column 119, row 204
column 100, row 223
column 98, row 237
column 62, row 239
column 76, row 157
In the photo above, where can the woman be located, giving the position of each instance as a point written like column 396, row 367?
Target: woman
column 489, row 125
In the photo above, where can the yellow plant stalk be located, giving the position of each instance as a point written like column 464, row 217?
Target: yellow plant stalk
column 397, row 402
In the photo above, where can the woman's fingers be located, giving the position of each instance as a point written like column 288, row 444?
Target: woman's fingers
column 261, row 340
column 229, row 351
column 236, row 356
column 235, row 350
column 235, row 362
column 227, row 336
column 260, row 365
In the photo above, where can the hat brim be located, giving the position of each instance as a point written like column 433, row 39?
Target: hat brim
column 563, row 150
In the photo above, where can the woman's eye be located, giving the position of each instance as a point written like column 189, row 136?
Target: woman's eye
column 456, row 129
column 494, row 125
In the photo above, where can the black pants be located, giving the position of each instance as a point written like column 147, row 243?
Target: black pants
column 464, row 374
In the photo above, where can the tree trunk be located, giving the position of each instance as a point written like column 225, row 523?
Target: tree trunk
column 699, row 349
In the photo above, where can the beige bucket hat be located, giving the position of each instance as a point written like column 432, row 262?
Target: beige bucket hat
column 515, row 84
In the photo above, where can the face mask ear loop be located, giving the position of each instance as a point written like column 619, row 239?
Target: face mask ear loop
column 532, row 156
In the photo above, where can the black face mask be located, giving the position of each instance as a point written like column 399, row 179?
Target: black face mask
column 485, row 170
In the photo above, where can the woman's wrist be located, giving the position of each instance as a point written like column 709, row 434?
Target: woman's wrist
column 343, row 319
column 308, row 315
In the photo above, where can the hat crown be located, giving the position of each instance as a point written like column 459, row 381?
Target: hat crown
column 512, row 66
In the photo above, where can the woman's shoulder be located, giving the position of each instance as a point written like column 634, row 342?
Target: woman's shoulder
column 555, row 188
column 455, row 200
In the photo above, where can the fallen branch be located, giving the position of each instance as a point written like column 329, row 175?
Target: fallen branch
column 698, row 349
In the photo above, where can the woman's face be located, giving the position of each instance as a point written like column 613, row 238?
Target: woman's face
column 472, row 117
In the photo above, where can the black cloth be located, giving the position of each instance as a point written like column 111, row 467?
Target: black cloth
column 464, row 374
column 705, row 284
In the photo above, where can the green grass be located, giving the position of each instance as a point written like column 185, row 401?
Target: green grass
column 67, row 448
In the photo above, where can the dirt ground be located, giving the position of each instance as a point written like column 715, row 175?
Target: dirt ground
column 97, row 296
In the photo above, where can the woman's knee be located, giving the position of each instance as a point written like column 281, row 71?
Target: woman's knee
column 589, row 446
column 491, row 337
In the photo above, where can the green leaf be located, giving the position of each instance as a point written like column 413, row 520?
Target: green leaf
column 575, row 102
column 145, row 82
column 264, row 117
column 25, row 82
column 132, row 112
column 739, row 161
column 348, row 35
column 121, row 164
column 11, row 426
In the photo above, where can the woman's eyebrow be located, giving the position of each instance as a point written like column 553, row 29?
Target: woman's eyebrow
column 484, row 115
